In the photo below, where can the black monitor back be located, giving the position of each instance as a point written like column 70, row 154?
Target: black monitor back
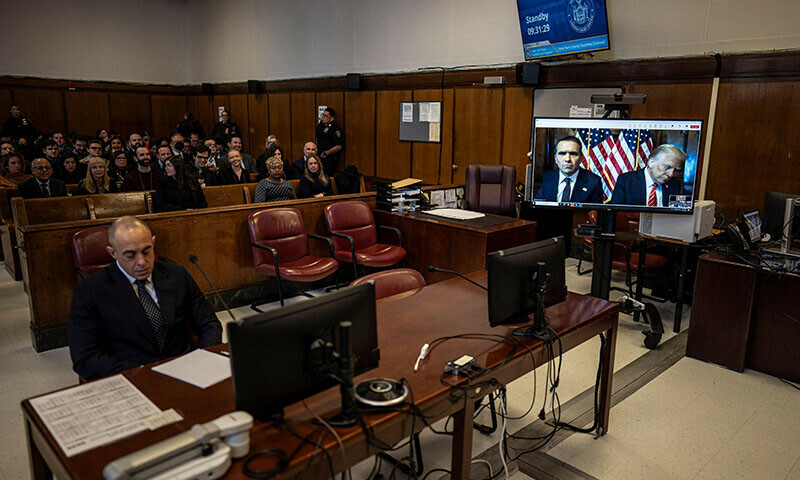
column 510, row 279
column 280, row 357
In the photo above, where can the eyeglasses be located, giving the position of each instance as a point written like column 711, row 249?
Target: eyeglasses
column 43, row 167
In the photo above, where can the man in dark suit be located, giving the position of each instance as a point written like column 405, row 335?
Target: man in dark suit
column 299, row 166
column 652, row 185
column 41, row 185
column 136, row 310
column 568, row 182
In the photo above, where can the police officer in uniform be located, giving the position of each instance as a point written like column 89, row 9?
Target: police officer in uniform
column 329, row 141
column 18, row 126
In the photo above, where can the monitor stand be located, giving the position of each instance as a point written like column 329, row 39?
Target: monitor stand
column 539, row 328
column 348, row 415
column 603, row 250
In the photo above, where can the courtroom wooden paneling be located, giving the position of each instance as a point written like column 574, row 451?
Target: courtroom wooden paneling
column 167, row 111
column 304, row 121
column 755, row 145
column 681, row 100
column 258, row 121
column 87, row 112
column 218, row 236
column 240, row 115
column 431, row 162
column 477, row 128
column 775, row 334
column 392, row 157
column 5, row 101
column 45, row 108
column 359, row 131
column 130, row 112
column 203, row 108
column 280, row 121
column 517, row 129
column 335, row 100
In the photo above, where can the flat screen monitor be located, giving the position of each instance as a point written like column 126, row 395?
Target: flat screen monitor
column 774, row 215
column 620, row 164
column 512, row 277
column 285, row 355
column 561, row 27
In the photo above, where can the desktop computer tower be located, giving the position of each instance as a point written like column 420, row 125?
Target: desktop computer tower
column 687, row 228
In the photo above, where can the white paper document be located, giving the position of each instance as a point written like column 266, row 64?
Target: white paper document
column 455, row 213
column 434, row 130
column 437, row 197
column 430, row 112
column 200, row 368
column 94, row 414
column 408, row 112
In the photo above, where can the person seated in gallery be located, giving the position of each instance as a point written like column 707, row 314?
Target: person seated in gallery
column 314, row 183
column 274, row 188
column 12, row 170
column 97, row 180
column 68, row 170
column 42, row 185
column 178, row 189
column 118, row 167
column 234, row 173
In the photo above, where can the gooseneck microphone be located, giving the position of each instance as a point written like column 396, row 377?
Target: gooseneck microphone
column 193, row 259
column 431, row 268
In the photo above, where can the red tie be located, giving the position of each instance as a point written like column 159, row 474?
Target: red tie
column 651, row 200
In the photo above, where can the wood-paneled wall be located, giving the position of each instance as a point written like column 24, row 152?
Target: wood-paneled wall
column 759, row 95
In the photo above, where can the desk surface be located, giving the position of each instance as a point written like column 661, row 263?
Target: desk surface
column 404, row 324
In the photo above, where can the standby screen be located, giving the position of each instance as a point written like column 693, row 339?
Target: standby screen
column 636, row 165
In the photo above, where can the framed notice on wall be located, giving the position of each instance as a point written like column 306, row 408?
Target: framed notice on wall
column 420, row 122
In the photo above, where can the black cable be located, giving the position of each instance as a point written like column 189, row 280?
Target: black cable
column 596, row 395
column 306, row 440
column 434, row 470
column 787, row 382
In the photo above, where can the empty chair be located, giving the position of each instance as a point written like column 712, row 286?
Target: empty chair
column 89, row 251
column 280, row 248
column 490, row 189
column 356, row 236
column 392, row 282
column 625, row 257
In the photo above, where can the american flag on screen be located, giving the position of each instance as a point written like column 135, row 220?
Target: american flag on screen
column 597, row 147
column 610, row 158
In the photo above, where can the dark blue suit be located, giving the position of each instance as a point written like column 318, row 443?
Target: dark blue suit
column 30, row 188
column 109, row 332
column 588, row 187
column 631, row 189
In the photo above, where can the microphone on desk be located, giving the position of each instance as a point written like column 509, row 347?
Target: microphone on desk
column 193, row 259
column 431, row 268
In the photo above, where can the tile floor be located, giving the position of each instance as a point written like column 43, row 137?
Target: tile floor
column 696, row 420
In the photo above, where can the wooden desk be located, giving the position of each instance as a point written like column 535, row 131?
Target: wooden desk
column 404, row 324
column 745, row 317
column 452, row 245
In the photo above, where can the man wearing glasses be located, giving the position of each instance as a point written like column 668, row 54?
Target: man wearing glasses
column 568, row 182
column 652, row 185
column 41, row 185
column 95, row 150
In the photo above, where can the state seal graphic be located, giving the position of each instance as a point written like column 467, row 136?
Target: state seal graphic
column 580, row 14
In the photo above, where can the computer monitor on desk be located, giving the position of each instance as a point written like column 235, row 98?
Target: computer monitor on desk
column 285, row 355
column 517, row 287
column 780, row 220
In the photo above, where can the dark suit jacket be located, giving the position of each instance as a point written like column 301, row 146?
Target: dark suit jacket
column 109, row 332
column 30, row 188
column 588, row 187
column 631, row 187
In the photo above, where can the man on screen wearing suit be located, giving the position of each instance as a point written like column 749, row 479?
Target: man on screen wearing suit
column 568, row 182
column 137, row 310
column 652, row 185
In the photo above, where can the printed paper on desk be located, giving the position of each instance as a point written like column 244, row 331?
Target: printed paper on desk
column 200, row 368
column 94, row 414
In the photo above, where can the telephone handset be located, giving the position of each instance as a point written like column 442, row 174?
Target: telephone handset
column 741, row 242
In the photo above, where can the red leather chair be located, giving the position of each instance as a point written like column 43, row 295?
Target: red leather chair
column 355, row 236
column 588, row 245
column 490, row 189
column 280, row 248
column 392, row 282
column 89, row 251
column 625, row 256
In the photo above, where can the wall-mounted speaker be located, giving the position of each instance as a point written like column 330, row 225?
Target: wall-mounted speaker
column 354, row 81
column 208, row 89
column 528, row 73
column 253, row 86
